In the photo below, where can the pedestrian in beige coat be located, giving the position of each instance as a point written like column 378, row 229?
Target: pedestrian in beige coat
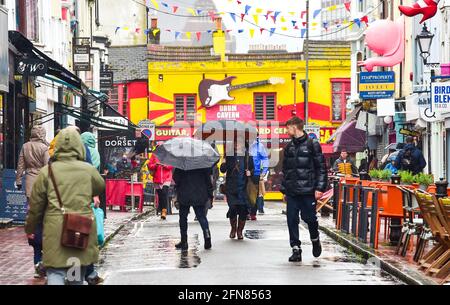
column 33, row 156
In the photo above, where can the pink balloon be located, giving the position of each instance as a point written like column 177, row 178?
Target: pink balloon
column 387, row 39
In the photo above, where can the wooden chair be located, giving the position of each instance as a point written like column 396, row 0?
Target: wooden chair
column 323, row 201
column 436, row 260
column 441, row 268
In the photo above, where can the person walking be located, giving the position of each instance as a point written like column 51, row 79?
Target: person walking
column 193, row 188
column 33, row 156
column 410, row 158
column 162, row 179
column 261, row 163
column 89, row 141
column 305, row 180
column 77, row 183
column 238, row 168
column 344, row 164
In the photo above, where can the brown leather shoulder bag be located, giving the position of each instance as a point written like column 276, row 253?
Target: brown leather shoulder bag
column 76, row 228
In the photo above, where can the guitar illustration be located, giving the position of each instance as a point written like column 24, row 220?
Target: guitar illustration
column 212, row 92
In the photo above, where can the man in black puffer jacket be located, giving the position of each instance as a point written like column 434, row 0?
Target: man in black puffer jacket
column 304, row 181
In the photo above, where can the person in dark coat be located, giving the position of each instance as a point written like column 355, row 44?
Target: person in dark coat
column 410, row 158
column 304, row 181
column 194, row 188
column 238, row 168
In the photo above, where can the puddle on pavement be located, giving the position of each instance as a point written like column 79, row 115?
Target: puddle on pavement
column 128, row 251
column 264, row 234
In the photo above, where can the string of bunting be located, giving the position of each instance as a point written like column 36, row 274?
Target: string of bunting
column 247, row 9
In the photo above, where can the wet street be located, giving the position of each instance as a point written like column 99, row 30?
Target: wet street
column 144, row 253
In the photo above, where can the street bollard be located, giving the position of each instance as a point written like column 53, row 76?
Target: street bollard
column 346, row 204
column 355, row 208
column 374, row 220
column 363, row 217
column 335, row 197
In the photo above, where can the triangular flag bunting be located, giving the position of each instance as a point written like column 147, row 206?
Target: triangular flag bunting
column 247, row 8
column 233, row 16
column 303, row 32
column 191, row 10
column 155, row 31
column 137, row 30
column 252, row 32
column 177, row 34
column 272, row 30
column 199, row 12
column 261, row 30
column 240, row 31
column 365, row 19
column 316, row 13
column 188, row 35
column 117, row 28
column 268, row 13
column 347, row 5
column 164, row 4
column 302, row 14
column 294, row 22
column 259, row 10
column 174, row 9
column 242, row 17
column 199, row 35
column 283, row 19
column 357, row 21
column 155, row 4
column 255, row 17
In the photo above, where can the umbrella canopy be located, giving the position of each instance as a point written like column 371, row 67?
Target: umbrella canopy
column 187, row 153
column 226, row 130
column 350, row 138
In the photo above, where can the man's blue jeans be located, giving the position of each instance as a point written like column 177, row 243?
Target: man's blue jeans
column 306, row 205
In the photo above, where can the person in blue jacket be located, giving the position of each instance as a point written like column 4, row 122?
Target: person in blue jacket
column 261, row 161
column 410, row 158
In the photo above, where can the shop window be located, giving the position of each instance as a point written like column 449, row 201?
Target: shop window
column 340, row 93
column 264, row 106
column 114, row 98
column 185, row 107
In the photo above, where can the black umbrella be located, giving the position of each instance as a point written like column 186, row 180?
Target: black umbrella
column 187, row 153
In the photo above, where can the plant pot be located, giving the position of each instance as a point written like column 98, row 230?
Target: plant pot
column 423, row 187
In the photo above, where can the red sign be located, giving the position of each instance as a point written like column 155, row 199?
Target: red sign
column 241, row 112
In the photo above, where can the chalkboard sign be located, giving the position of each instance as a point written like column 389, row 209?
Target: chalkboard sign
column 13, row 203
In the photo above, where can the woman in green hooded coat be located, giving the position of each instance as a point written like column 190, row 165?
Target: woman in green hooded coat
column 77, row 183
column 88, row 139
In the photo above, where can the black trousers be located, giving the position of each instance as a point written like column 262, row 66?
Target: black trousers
column 306, row 205
column 163, row 198
column 201, row 217
column 240, row 211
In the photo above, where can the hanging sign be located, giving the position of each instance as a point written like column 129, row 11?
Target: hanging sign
column 147, row 128
column 81, row 57
column 440, row 97
column 313, row 132
column 106, row 80
column 30, row 67
column 376, row 85
column 408, row 132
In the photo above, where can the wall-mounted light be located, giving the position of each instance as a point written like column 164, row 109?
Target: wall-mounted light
column 160, row 77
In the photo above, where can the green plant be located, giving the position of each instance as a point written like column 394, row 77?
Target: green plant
column 375, row 174
column 424, row 179
column 406, row 177
column 385, row 174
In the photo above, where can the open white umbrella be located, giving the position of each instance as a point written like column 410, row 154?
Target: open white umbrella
column 187, row 153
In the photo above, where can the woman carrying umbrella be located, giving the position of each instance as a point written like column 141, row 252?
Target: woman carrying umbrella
column 238, row 168
column 193, row 160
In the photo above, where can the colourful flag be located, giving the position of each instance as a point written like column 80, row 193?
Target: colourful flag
column 174, row 9
column 240, row 31
column 365, row 19
column 255, row 17
column 177, row 34
column 283, row 19
column 357, row 21
column 268, row 13
column 117, row 28
column 302, row 14
column 155, row 4
column 233, row 16
column 191, row 10
column 247, row 8
column 155, row 31
column 303, row 32
column 347, row 5
column 259, row 10
column 316, row 13
column 272, row 30
column 188, row 35
column 252, row 32
column 199, row 35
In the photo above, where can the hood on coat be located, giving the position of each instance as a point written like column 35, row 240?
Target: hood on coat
column 69, row 145
column 38, row 134
column 88, row 139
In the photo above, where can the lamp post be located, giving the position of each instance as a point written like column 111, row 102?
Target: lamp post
column 424, row 40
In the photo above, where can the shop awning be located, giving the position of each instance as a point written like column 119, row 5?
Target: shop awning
column 23, row 45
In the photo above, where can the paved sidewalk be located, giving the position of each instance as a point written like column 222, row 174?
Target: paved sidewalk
column 16, row 256
column 403, row 267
